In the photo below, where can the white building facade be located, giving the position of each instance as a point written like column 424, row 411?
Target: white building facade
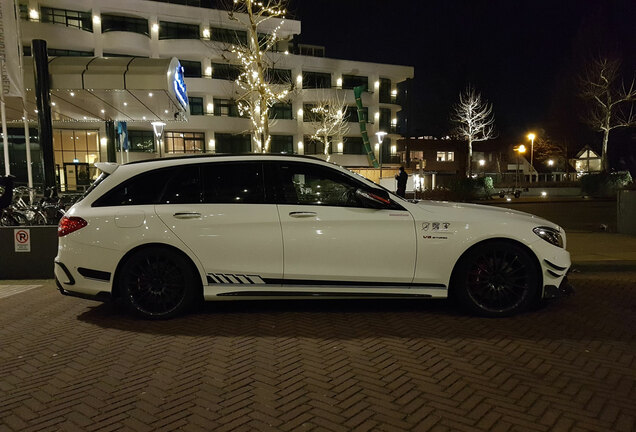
column 198, row 36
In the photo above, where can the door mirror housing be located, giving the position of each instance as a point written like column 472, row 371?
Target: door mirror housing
column 375, row 198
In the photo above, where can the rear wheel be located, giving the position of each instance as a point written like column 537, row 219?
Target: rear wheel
column 496, row 279
column 157, row 283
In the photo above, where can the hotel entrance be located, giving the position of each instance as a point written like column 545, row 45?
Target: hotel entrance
column 76, row 152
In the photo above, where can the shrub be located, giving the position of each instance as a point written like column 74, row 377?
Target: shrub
column 604, row 184
column 462, row 189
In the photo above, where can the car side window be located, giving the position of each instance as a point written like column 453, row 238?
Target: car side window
column 233, row 183
column 144, row 188
column 315, row 185
column 184, row 187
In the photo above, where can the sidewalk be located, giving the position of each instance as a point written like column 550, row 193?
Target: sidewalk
column 602, row 251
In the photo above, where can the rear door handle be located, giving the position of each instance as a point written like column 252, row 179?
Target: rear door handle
column 187, row 215
column 302, row 214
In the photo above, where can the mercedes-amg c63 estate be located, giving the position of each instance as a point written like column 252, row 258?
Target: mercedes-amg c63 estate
column 163, row 234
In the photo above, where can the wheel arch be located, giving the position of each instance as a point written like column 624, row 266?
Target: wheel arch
column 116, row 291
column 535, row 259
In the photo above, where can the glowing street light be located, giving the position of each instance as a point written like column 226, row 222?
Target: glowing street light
column 520, row 150
column 531, row 137
column 380, row 135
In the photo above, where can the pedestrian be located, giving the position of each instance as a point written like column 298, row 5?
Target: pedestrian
column 401, row 178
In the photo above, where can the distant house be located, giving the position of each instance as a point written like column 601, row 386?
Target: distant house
column 442, row 156
column 587, row 161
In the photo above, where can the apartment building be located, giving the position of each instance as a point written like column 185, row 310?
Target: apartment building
column 199, row 36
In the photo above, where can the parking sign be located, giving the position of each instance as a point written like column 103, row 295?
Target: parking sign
column 22, row 239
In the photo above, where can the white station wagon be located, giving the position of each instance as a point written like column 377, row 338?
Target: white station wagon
column 163, row 234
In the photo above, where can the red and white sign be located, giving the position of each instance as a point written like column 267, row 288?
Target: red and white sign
column 22, row 239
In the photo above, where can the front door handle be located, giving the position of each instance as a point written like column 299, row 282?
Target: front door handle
column 187, row 215
column 302, row 214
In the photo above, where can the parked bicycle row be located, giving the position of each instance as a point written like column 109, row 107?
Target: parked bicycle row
column 23, row 206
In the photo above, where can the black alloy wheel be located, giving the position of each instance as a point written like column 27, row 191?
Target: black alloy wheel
column 497, row 279
column 157, row 283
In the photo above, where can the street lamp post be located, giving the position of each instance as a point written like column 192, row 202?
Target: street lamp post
column 531, row 137
column 521, row 149
column 380, row 135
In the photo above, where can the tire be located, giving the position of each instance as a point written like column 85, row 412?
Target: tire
column 157, row 283
column 496, row 279
column 517, row 194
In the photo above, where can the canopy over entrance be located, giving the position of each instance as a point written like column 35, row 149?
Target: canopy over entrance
column 108, row 88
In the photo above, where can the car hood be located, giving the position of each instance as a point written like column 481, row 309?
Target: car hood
column 479, row 211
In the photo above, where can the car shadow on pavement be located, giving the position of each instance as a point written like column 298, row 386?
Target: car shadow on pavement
column 353, row 319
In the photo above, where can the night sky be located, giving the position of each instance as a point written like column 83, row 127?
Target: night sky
column 523, row 56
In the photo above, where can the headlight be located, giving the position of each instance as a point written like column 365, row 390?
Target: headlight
column 550, row 235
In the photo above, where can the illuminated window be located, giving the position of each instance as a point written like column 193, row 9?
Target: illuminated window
column 445, row 156
column 184, row 142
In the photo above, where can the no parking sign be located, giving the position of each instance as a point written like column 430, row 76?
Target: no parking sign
column 22, row 239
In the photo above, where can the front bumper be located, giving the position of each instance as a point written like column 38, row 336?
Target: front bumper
column 563, row 290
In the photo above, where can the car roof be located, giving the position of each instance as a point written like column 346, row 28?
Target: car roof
column 225, row 155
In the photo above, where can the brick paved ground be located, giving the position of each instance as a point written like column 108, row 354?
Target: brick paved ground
column 69, row 364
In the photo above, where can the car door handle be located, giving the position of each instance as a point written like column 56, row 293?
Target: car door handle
column 302, row 214
column 187, row 215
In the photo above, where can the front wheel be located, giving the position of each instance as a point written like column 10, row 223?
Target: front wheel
column 157, row 283
column 496, row 279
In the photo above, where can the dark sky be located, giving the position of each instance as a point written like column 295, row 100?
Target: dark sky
column 522, row 55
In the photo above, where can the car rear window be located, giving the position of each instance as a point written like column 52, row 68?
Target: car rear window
column 145, row 188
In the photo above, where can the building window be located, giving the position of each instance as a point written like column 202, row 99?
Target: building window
column 278, row 76
column 351, row 81
column 24, row 12
column 351, row 114
column 308, row 114
column 225, row 71
column 69, row 18
column 184, row 142
column 316, row 80
column 231, row 143
column 443, row 156
column 174, row 30
column 226, row 107
column 281, row 110
column 124, row 23
column 311, row 50
column 282, row 144
column 385, row 119
column 54, row 52
column 110, row 54
column 196, row 105
column 210, row 4
column 235, row 37
column 191, row 69
column 385, row 90
column 353, row 145
column 314, row 146
column 141, row 141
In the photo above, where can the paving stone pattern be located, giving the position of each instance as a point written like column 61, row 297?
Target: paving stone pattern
column 68, row 364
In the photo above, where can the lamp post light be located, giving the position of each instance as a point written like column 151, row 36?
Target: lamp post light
column 521, row 149
column 158, row 126
column 380, row 135
column 531, row 137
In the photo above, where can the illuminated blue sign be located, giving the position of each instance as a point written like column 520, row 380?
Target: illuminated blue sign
column 179, row 86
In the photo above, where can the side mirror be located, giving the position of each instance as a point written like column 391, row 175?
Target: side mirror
column 376, row 198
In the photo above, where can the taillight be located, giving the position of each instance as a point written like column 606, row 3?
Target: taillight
column 70, row 224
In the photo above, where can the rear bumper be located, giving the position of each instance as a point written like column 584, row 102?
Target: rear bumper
column 563, row 290
column 101, row 296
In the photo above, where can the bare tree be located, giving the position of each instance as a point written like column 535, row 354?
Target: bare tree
column 258, row 94
column 475, row 121
column 611, row 102
column 330, row 122
column 546, row 148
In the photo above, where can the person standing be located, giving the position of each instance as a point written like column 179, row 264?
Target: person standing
column 401, row 178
